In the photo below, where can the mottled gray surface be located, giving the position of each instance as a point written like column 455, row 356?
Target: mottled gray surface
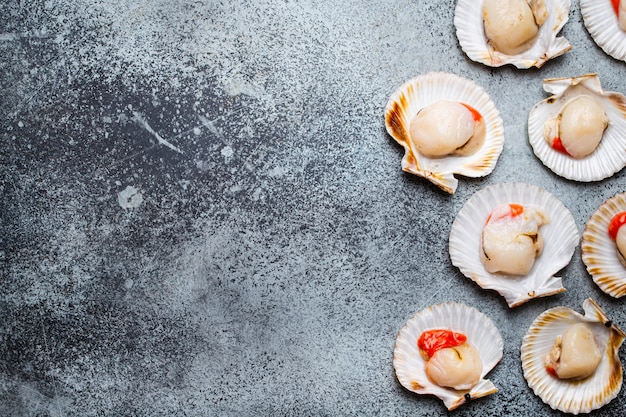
column 203, row 215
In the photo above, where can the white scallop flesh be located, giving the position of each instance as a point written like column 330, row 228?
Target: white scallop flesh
column 441, row 128
column 576, row 354
column 620, row 242
column 511, row 242
column 581, row 125
column 512, row 25
column 621, row 15
column 458, row 367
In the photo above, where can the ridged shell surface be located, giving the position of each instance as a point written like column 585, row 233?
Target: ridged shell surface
column 429, row 88
column 560, row 238
column 480, row 332
column 601, row 22
column 580, row 396
column 468, row 21
column 599, row 252
column 610, row 155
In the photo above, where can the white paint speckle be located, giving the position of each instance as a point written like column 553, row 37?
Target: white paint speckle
column 130, row 198
column 277, row 172
column 20, row 124
column 197, row 131
column 257, row 195
column 227, row 152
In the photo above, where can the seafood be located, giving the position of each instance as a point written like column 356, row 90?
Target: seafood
column 601, row 241
column 580, row 131
column 512, row 25
column 575, row 354
column 571, row 360
column 466, row 125
column 605, row 21
column 450, row 360
column 511, row 240
column 522, row 33
column 618, row 234
column 472, row 342
column 560, row 238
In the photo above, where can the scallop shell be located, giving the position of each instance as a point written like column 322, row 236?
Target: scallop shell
column 601, row 23
column 480, row 332
column 426, row 89
column 599, row 252
column 580, row 396
column 560, row 237
column 468, row 20
column 610, row 155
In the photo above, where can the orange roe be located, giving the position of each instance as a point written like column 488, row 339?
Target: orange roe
column 618, row 221
column 433, row 340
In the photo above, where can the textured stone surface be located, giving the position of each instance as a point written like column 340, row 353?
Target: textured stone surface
column 202, row 213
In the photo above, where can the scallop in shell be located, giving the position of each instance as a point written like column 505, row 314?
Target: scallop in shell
column 470, row 17
column 599, row 251
column 610, row 155
column 560, row 237
column 429, row 89
column 573, row 395
column 601, row 20
column 481, row 333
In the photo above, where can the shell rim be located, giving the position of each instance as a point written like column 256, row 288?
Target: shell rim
column 610, row 156
column 612, row 279
column 426, row 89
column 468, row 25
column 540, row 282
column 460, row 317
column 534, row 348
column 600, row 21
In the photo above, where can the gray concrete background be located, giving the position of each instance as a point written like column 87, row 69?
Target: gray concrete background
column 203, row 215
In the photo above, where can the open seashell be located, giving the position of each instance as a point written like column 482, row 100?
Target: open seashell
column 599, row 252
column 469, row 20
column 560, row 238
column 573, row 395
column 610, row 155
column 602, row 24
column 428, row 89
column 481, row 333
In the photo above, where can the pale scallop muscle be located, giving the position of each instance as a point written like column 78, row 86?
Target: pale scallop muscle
column 456, row 367
column 621, row 16
column 442, row 128
column 581, row 125
column 576, row 354
column 511, row 243
column 620, row 241
column 512, row 25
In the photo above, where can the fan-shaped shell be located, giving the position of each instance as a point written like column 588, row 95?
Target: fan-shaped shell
column 426, row 89
column 560, row 237
column 580, row 396
column 480, row 332
column 468, row 20
column 610, row 155
column 601, row 23
column 599, row 252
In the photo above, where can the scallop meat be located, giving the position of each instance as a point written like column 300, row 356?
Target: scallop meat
column 571, row 360
column 522, row 33
column 513, row 238
column 447, row 125
column 446, row 350
column 604, row 246
column 579, row 132
column 605, row 21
